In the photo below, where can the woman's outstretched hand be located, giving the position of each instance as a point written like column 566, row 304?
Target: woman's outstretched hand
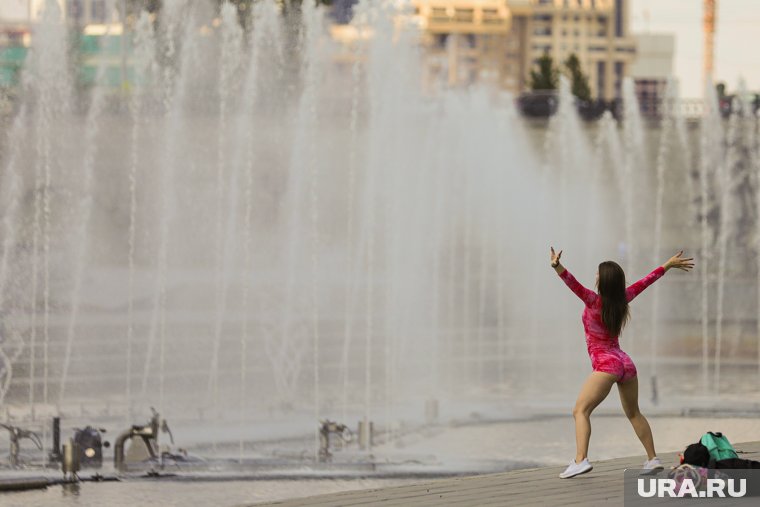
column 679, row 262
column 555, row 257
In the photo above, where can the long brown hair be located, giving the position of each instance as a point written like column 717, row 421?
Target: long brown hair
column 611, row 285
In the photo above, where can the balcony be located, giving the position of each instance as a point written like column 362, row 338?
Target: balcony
column 464, row 15
column 450, row 16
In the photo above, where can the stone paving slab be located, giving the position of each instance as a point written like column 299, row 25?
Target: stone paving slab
column 603, row 486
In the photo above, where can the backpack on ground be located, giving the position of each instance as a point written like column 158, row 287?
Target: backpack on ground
column 718, row 446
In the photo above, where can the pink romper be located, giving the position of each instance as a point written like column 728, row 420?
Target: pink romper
column 603, row 349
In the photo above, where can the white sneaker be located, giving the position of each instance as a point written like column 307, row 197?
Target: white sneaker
column 574, row 469
column 652, row 466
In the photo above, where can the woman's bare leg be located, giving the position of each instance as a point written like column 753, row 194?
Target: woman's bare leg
column 629, row 397
column 594, row 391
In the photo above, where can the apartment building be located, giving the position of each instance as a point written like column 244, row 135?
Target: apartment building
column 466, row 41
column 597, row 31
column 500, row 40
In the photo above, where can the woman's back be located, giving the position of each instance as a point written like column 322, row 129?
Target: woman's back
column 597, row 335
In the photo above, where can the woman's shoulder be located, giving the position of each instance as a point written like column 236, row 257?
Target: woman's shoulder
column 595, row 304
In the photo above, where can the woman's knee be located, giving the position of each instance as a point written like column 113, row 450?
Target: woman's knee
column 582, row 411
column 632, row 413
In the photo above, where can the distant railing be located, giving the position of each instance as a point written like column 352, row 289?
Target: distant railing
column 544, row 103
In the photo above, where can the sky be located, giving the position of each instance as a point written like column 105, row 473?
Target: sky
column 737, row 39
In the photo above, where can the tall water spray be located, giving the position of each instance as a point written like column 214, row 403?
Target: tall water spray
column 264, row 44
column 231, row 52
column 170, row 158
column 732, row 176
column 11, row 186
column 81, row 232
column 663, row 153
column 710, row 158
column 569, row 163
column 634, row 155
column 359, row 22
column 145, row 74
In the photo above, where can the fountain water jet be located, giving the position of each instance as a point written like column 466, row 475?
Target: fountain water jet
column 170, row 158
column 231, row 51
column 709, row 158
column 663, row 152
column 732, row 173
column 145, row 72
column 81, row 233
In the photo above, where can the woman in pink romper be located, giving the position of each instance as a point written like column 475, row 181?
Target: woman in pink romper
column 604, row 317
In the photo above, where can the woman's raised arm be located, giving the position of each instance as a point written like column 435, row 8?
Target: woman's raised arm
column 676, row 261
column 586, row 295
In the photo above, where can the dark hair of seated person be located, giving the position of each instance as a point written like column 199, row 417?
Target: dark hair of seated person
column 696, row 455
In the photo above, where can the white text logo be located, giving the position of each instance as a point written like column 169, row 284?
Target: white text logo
column 715, row 488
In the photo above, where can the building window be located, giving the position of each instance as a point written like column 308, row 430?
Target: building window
column 619, row 69
column 619, row 18
column 491, row 16
column 98, row 11
column 601, row 69
column 439, row 14
column 441, row 39
column 74, row 9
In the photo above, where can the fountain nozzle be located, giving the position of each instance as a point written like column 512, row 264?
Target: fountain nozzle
column 327, row 427
column 16, row 434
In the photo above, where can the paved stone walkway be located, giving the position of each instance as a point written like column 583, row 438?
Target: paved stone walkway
column 536, row 486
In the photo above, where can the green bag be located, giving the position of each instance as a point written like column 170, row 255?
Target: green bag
column 718, row 446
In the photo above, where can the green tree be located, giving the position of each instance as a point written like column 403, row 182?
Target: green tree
column 579, row 80
column 720, row 89
column 546, row 76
